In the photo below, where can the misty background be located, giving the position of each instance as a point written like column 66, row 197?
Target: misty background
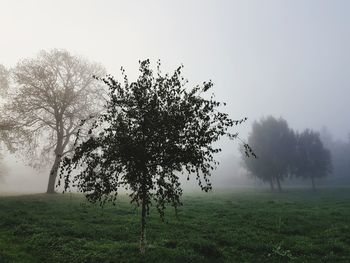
column 288, row 59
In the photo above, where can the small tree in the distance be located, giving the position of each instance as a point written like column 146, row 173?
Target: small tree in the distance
column 152, row 131
column 313, row 159
column 274, row 143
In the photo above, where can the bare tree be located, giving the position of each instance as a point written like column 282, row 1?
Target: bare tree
column 53, row 93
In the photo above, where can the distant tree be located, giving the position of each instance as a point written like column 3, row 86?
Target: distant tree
column 313, row 159
column 152, row 131
column 274, row 143
column 340, row 155
column 51, row 94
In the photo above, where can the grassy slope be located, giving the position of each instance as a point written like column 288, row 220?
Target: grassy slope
column 226, row 226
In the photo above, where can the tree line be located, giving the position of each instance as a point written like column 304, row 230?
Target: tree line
column 285, row 153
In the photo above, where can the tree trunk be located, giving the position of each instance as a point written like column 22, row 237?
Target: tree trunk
column 53, row 175
column 313, row 183
column 143, row 230
column 58, row 155
column 271, row 185
column 278, row 184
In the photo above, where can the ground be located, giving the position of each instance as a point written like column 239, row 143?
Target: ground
column 222, row 226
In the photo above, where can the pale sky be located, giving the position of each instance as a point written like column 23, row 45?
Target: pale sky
column 286, row 58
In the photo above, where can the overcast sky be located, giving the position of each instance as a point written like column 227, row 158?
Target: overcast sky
column 284, row 58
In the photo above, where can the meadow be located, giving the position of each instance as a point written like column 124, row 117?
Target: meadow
column 241, row 225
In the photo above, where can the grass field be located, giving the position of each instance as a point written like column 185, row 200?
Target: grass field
column 222, row 226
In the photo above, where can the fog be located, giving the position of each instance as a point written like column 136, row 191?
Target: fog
column 281, row 58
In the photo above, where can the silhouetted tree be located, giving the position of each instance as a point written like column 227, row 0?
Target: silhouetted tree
column 152, row 131
column 313, row 159
column 274, row 143
column 52, row 93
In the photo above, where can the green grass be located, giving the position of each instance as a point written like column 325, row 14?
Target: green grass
column 222, row 226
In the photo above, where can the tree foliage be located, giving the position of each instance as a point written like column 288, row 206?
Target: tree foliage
column 52, row 93
column 274, row 143
column 313, row 159
column 152, row 130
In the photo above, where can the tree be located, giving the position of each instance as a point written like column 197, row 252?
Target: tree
column 340, row 155
column 274, row 143
column 152, row 131
column 53, row 92
column 313, row 159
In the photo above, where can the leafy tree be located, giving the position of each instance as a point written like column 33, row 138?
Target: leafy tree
column 52, row 93
column 152, row 131
column 313, row 159
column 274, row 143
